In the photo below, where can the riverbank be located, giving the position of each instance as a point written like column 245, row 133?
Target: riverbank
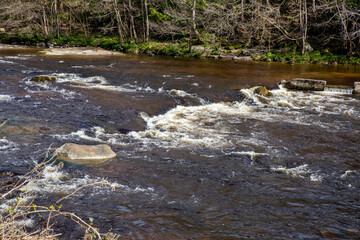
column 80, row 45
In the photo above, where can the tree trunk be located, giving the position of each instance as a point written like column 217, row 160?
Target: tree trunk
column 147, row 25
column 45, row 27
column 303, row 18
column 132, row 22
column 118, row 22
column 344, row 25
column 57, row 24
column 193, row 25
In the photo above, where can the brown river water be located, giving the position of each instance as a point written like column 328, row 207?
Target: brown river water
column 189, row 165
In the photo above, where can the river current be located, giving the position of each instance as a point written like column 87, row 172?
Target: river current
column 191, row 164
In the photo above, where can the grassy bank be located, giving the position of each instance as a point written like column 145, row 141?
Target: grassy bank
column 181, row 49
column 320, row 57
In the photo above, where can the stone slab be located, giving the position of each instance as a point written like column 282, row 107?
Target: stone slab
column 306, row 84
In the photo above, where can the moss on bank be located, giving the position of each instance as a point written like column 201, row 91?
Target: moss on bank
column 180, row 49
column 321, row 57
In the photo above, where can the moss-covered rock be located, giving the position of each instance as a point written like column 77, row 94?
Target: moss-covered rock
column 43, row 78
column 263, row 91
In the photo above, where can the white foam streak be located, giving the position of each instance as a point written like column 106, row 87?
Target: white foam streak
column 347, row 174
column 198, row 125
column 6, row 98
column 8, row 145
column 301, row 171
column 53, row 181
column 95, row 134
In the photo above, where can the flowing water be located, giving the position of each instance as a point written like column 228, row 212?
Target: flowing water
column 189, row 165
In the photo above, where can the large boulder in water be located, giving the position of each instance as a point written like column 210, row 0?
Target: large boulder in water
column 305, row 84
column 356, row 87
column 43, row 78
column 84, row 154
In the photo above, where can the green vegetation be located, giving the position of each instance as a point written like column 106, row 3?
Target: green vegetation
column 321, row 57
column 296, row 31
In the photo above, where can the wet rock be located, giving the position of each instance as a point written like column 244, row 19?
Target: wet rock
column 43, row 78
column 306, row 84
column 84, row 154
column 13, row 130
column 230, row 96
column 124, row 130
column 265, row 100
column 261, row 91
column 183, row 98
column 356, row 88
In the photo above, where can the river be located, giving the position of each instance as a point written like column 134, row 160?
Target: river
column 189, row 165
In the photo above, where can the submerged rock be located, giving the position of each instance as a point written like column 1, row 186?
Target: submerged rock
column 306, row 84
column 43, row 78
column 356, row 88
column 84, row 154
column 261, row 91
column 230, row 96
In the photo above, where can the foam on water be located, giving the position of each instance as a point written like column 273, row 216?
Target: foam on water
column 78, row 79
column 184, row 94
column 6, row 98
column 97, row 82
column 198, row 125
column 18, row 57
column 347, row 174
column 301, row 171
column 253, row 155
column 41, row 87
column 94, row 134
column 6, row 62
column 7, row 145
column 338, row 90
column 204, row 125
column 54, row 180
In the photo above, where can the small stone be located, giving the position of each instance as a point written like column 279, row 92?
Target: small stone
column 2, row 30
column 43, row 78
column 84, row 154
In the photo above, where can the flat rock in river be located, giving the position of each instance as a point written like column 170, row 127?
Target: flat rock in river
column 306, row 84
column 84, row 154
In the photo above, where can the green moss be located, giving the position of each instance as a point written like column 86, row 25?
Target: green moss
column 321, row 57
